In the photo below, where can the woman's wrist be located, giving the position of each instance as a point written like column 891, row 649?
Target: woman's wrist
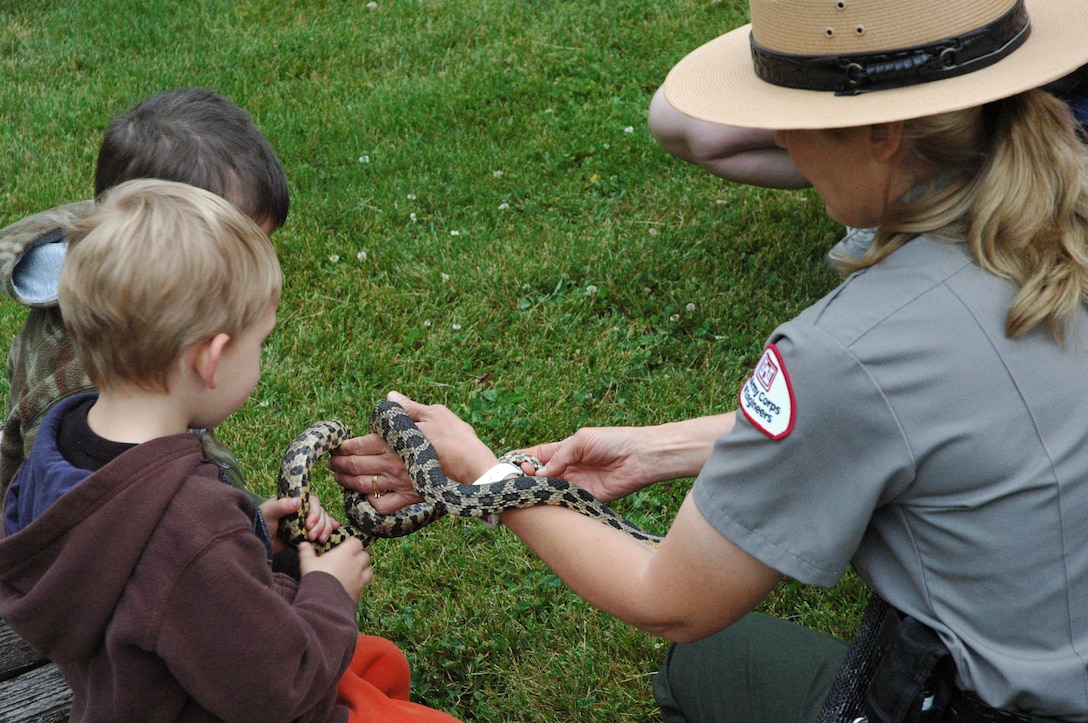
column 497, row 473
column 474, row 465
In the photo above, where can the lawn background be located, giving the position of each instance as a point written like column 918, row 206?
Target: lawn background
column 480, row 218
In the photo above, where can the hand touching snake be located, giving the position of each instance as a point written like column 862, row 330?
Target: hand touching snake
column 441, row 495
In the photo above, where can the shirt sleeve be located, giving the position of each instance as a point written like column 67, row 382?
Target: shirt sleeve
column 800, row 501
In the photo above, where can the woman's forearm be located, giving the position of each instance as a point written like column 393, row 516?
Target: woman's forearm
column 669, row 591
column 680, row 449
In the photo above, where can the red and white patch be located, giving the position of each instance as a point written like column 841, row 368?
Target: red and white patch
column 766, row 399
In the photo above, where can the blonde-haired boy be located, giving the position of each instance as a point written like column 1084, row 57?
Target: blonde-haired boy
column 166, row 268
column 127, row 559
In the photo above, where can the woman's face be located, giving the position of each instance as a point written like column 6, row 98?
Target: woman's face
column 849, row 170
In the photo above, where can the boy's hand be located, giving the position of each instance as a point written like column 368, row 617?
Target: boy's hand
column 275, row 509
column 319, row 525
column 348, row 562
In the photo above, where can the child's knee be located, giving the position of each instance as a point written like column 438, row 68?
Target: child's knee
column 381, row 663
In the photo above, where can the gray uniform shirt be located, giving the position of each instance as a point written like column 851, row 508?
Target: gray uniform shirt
column 948, row 463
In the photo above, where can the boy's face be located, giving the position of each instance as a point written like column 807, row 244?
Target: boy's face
column 239, row 367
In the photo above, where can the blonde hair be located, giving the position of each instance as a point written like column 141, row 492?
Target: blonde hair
column 157, row 267
column 1011, row 181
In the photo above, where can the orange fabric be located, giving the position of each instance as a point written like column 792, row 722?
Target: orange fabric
column 376, row 685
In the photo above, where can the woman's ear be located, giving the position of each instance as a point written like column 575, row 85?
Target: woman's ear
column 206, row 356
column 886, row 139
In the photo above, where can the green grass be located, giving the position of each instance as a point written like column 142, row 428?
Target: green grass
column 464, row 174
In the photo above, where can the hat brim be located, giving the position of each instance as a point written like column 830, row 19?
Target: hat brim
column 717, row 83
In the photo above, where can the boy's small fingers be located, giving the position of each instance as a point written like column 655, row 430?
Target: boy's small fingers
column 287, row 505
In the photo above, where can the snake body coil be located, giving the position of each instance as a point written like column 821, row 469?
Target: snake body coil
column 442, row 495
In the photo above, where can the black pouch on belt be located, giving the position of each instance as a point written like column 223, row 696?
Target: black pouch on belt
column 914, row 680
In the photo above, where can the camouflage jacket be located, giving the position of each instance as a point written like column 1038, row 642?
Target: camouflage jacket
column 42, row 368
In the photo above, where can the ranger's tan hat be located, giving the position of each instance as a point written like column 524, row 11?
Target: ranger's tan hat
column 839, row 63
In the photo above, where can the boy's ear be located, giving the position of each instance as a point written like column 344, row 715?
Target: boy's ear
column 206, row 356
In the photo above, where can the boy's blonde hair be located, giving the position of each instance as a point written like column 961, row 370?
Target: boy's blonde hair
column 158, row 267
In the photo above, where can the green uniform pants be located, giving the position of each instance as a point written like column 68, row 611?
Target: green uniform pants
column 760, row 670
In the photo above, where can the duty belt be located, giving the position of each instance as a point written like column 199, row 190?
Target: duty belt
column 897, row 669
column 967, row 707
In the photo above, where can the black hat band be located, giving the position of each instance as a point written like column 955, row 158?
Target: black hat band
column 853, row 74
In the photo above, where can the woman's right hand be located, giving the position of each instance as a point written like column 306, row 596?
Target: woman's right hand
column 605, row 461
column 613, row 462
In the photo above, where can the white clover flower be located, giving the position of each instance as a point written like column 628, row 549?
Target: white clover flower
column 456, row 327
column 364, row 158
column 372, row 6
column 504, row 206
column 674, row 318
column 412, row 217
column 455, row 232
column 721, row 202
column 361, row 255
column 591, row 290
column 653, row 231
column 629, row 129
column 411, row 196
column 335, row 258
column 690, row 306
column 496, row 174
column 445, row 277
column 427, row 324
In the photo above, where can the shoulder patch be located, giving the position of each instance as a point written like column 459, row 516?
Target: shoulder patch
column 766, row 399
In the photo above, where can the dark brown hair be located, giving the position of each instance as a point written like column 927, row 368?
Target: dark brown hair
column 194, row 136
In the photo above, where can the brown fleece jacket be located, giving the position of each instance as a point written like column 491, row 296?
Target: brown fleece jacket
column 148, row 588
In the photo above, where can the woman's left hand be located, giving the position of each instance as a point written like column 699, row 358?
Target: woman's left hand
column 367, row 464
column 463, row 456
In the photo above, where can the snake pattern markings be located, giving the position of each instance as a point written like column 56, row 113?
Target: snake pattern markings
column 441, row 495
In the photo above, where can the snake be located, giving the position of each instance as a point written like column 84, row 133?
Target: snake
column 441, row 495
